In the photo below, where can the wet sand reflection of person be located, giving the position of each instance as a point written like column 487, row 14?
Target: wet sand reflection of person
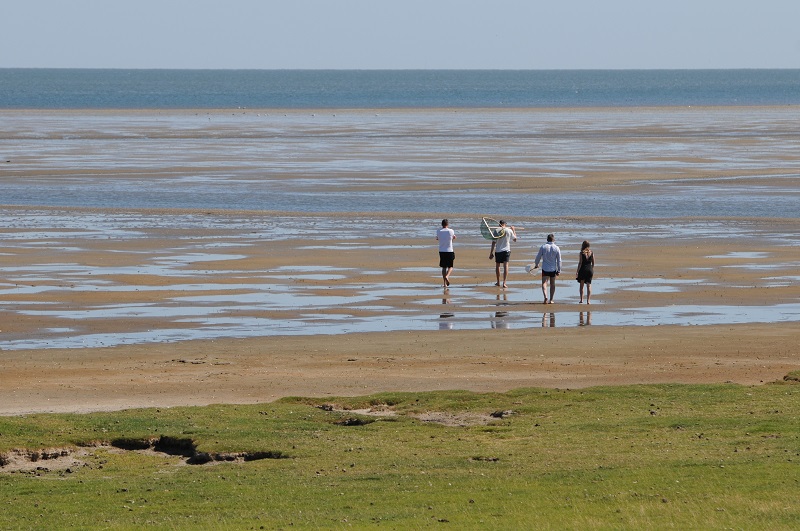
column 585, row 321
column 444, row 318
column 552, row 316
column 499, row 321
column 444, row 321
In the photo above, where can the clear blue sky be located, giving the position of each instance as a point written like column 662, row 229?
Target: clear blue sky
column 391, row 34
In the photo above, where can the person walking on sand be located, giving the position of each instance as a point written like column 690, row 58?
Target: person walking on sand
column 585, row 271
column 447, row 256
column 501, row 252
column 550, row 256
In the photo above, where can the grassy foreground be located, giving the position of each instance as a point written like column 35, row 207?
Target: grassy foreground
column 661, row 456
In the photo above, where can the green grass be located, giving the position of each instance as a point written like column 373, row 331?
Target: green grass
column 661, row 456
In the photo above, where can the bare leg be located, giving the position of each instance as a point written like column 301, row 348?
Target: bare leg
column 552, row 288
column 505, row 273
column 580, row 292
column 497, row 273
column 544, row 287
column 588, row 293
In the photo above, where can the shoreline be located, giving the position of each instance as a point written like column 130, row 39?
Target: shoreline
column 396, row 110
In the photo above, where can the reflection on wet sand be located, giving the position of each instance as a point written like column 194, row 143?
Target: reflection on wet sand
column 585, row 318
column 444, row 318
column 499, row 321
column 445, row 322
column 549, row 319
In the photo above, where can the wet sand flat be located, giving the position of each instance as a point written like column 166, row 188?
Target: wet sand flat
column 110, row 307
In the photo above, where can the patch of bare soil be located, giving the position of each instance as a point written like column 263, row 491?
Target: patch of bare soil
column 49, row 460
column 456, row 419
column 66, row 459
column 438, row 417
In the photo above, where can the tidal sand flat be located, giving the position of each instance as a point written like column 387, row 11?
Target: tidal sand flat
column 165, row 258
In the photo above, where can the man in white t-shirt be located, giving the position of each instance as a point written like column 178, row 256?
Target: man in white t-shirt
column 445, row 236
column 501, row 252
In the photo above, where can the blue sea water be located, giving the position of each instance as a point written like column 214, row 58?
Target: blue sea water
column 296, row 89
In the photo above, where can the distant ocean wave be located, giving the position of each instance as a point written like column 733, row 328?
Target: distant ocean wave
column 366, row 89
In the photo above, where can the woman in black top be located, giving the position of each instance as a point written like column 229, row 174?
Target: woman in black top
column 585, row 270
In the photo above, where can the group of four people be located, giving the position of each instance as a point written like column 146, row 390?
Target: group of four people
column 549, row 256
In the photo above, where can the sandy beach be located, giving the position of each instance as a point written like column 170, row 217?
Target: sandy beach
column 262, row 370
column 114, row 308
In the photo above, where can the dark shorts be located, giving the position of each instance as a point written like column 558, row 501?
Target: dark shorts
column 446, row 259
column 585, row 277
column 551, row 274
column 502, row 257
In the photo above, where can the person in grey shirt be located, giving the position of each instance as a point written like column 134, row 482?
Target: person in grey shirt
column 550, row 256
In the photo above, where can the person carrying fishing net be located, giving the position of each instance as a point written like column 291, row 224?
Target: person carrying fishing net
column 501, row 250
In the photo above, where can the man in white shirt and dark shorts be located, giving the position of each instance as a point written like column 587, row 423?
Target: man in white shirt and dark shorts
column 501, row 252
column 550, row 256
column 445, row 236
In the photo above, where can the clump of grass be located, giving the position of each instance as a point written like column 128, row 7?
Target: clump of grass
column 679, row 456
